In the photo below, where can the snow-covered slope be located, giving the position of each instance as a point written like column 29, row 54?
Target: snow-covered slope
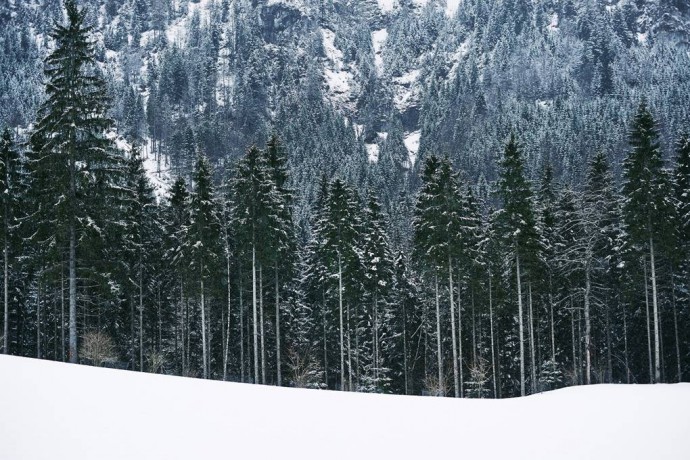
column 54, row 410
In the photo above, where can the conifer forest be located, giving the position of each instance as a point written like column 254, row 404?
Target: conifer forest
column 422, row 197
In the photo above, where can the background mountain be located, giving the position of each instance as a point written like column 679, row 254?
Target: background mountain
column 364, row 89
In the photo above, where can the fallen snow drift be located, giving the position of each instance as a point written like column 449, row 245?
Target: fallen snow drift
column 62, row 411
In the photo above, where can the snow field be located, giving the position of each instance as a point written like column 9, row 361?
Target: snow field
column 62, row 411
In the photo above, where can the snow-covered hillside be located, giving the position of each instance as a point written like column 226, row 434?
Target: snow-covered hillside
column 54, row 410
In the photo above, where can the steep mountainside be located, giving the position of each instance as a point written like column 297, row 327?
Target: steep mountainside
column 364, row 88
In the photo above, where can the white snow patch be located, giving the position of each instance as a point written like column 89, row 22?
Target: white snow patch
column 386, row 6
column 157, row 167
column 65, row 411
column 553, row 24
column 372, row 152
column 338, row 75
column 407, row 91
column 378, row 38
column 411, row 141
column 452, row 7
column 642, row 37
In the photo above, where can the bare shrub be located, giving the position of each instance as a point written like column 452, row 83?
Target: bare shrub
column 98, row 349
column 305, row 371
column 155, row 361
column 434, row 387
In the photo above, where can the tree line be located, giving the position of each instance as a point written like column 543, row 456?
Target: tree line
column 544, row 285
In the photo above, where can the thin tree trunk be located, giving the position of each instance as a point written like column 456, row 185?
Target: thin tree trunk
column 460, row 357
column 227, row 329
column 456, row 381
column 521, row 327
column 141, row 317
column 261, row 325
column 675, row 328
column 405, row 352
column 588, row 329
column 533, row 360
column 491, row 326
column 62, row 311
column 625, row 344
column 340, row 311
column 38, row 320
column 241, row 288
column 6, row 325
column 553, row 332
column 649, row 327
column 657, row 333
column 255, row 317
column 204, row 350
column 278, row 354
column 438, row 335
column 572, row 333
column 73, row 357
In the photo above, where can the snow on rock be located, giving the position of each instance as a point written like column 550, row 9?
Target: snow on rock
column 338, row 75
column 452, row 7
column 386, row 6
column 64, row 411
column 411, row 141
column 378, row 38
column 407, row 91
column 372, row 152
column 553, row 24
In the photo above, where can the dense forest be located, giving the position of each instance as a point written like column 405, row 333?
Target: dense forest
column 458, row 287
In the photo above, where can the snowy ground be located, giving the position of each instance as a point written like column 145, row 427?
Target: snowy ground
column 59, row 411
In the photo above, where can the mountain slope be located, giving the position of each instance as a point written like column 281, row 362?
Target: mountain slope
column 364, row 89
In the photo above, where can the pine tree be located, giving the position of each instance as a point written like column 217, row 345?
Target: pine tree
column 141, row 233
column 255, row 214
column 647, row 206
column 378, row 273
column 13, row 185
column 203, row 242
column 518, row 228
column 283, row 240
column 73, row 160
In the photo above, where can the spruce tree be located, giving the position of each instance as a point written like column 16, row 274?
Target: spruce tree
column 73, row 161
column 647, row 207
column 517, row 228
column 12, row 200
column 203, row 244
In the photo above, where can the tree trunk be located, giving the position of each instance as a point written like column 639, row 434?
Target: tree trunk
column 438, row 336
column 204, row 351
column 675, row 328
column 342, row 332
column 657, row 334
column 456, row 381
column 261, row 325
column 532, row 345
column 625, row 350
column 227, row 329
column 553, row 332
column 73, row 357
column 521, row 327
column 588, row 328
column 141, row 317
column 649, row 327
column 278, row 354
column 491, row 326
column 255, row 315
column 62, row 311
column 6, row 318
column 241, row 288
column 460, row 357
